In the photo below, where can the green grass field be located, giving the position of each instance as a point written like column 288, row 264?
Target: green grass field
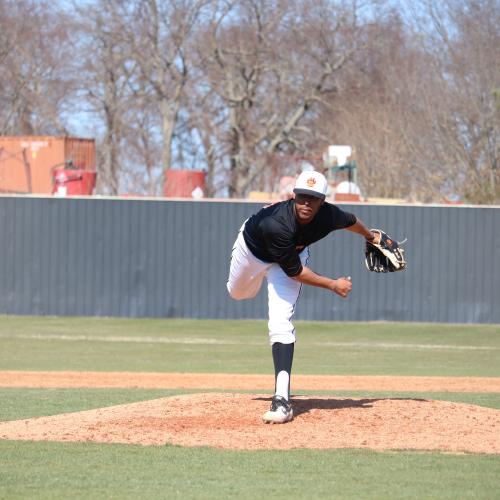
column 85, row 470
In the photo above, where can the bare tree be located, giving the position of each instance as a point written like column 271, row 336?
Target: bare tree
column 156, row 34
column 419, row 105
column 143, row 143
column 382, row 111
column 238, row 87
column 106, row 72
column 269, row 65
column 464, row 38
column 34, row 85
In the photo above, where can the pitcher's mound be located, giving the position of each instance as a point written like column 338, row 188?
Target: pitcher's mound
column 234, row 421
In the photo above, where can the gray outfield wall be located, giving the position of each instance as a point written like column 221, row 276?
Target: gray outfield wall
column 162, row 258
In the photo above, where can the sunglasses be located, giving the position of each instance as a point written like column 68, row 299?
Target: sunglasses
column 301, row 199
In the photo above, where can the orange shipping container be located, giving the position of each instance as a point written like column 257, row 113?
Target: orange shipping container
column 26, row 163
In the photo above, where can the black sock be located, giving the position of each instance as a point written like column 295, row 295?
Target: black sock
column 283, row 359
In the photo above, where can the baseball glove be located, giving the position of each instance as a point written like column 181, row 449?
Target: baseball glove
column 385, row 256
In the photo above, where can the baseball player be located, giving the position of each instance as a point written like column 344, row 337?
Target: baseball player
column 274, row 243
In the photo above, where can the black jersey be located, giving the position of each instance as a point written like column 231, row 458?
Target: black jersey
column 274, row 234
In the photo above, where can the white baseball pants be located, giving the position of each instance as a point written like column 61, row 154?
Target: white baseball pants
column 246, row 274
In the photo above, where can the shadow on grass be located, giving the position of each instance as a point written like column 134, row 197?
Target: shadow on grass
column 305, row 405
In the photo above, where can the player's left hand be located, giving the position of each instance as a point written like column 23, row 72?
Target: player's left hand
column 384, row 254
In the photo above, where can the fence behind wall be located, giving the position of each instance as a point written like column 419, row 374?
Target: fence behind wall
column 158, row 258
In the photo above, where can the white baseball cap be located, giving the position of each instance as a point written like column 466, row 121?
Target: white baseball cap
column 312, row 183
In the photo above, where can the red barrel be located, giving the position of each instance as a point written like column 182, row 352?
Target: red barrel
column 184, row 183
column 73, row 182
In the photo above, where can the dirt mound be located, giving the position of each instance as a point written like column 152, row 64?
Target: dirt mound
column 233, row 421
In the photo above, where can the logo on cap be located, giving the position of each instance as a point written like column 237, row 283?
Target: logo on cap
column 311, row 181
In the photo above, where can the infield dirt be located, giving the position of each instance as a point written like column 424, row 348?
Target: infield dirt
column 233, row 421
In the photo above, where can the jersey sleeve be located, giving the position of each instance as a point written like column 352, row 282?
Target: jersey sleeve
column 340, row 219
column 281, row 247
